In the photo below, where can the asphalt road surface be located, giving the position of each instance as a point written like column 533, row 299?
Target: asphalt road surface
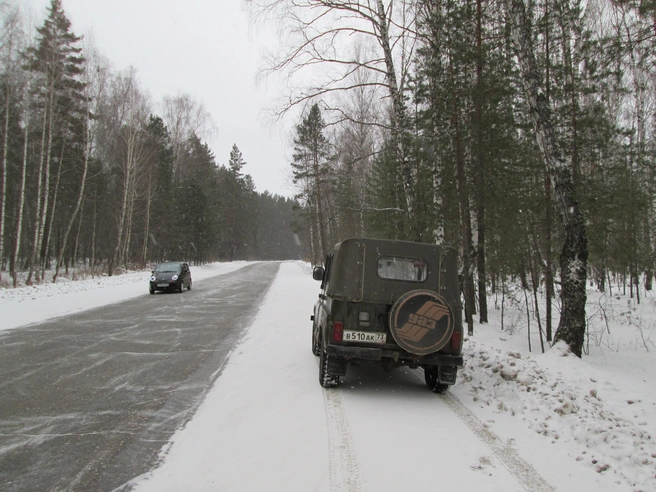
column 88, row 401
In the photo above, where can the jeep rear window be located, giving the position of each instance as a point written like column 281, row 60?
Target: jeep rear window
column 408, row 269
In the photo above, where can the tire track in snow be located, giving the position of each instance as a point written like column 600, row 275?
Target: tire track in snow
column 525, row 474
column 343, row 466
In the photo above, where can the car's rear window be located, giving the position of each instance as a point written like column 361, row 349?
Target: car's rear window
column 397, row 268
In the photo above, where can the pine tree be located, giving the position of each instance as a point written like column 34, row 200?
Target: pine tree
column 59, row 102
column 311, row 174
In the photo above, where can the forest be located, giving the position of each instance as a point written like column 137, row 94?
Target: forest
column 92, row 175
column 519, row 131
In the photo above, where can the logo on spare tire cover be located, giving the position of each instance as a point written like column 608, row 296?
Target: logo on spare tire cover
column 421, row 322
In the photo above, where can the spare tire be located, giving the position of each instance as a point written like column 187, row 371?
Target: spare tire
column 421, row 322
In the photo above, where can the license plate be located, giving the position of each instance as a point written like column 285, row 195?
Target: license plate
column 364, row 336
column 162, row 285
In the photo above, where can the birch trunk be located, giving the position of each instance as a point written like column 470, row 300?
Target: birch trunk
column 3, row 170
column 46, row 187
column 121, row 223
column 78, row 203
column 77, row 237
column 574, row 255
column 39, row 186
column 128, row 225
column 21, row 197
column 398, row 112
column 149, row 199
column 51, row 221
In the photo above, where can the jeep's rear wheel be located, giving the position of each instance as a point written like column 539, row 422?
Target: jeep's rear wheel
column 316, row 344
column 326, row 380
column 432, row 380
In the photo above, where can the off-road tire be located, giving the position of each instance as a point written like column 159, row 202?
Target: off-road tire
column 316, row 343
column 432, row 381
column 326, row 380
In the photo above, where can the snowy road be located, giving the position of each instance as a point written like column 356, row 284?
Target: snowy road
column 88, row 400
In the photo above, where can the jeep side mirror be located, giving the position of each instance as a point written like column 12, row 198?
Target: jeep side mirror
column 317, row 273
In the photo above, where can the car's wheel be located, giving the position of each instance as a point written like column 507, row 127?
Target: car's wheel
column 326, row 380
column 316, row 343
column 432, row 380
column 152, row 291
column 189, row 287
column 181, row 288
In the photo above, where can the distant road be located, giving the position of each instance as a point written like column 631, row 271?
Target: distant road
column 87, row 401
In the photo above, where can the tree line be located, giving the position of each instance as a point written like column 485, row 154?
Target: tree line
column 521, row 132
column 93, row 175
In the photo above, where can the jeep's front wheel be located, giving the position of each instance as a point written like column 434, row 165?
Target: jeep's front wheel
column 326, row 380
column 432, row 380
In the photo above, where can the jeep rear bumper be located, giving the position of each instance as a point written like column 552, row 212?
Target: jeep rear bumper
column 400, row 356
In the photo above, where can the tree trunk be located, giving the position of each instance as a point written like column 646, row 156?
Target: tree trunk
column 574, row 255
column 321, row 232
column 548, row 268
column 78, row 203
column 53, row 210
column 480, row 170
column 149, row 199
column 39, row 192
column 46, row 187
column 21, row 197
column 3, row 170
column 468, row 252
column 398, row 113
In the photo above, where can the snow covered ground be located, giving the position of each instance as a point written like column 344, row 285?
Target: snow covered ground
column 514, row 421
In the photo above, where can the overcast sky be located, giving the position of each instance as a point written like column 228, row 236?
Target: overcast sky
column 201, row 47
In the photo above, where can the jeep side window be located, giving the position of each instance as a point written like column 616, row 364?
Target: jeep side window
column 408, row 269
column 326, row 275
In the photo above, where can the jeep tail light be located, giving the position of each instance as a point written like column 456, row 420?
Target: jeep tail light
column 455, row 341
column 338, row 331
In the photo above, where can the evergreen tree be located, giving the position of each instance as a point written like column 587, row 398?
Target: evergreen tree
column 59, row 107
column 312, row 176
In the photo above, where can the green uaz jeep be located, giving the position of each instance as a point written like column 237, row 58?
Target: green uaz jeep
column 390, row 303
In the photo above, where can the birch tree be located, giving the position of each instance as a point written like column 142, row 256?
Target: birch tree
column 12, row 79
column 185, row 119
column 574, row 255
column 321, row 36
column 126, row 151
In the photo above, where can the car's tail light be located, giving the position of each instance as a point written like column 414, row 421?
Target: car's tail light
column 455, row 341
column 338, row 331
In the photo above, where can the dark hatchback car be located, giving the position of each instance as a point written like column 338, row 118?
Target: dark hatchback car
column 171, row 276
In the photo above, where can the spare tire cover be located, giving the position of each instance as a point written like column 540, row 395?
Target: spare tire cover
column 421, row 322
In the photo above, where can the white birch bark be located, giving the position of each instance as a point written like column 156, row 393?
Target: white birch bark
column 39, row 192
column 21, row 193
column 574, row 255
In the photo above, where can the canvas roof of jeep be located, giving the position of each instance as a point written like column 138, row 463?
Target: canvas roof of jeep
column 358, row 263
